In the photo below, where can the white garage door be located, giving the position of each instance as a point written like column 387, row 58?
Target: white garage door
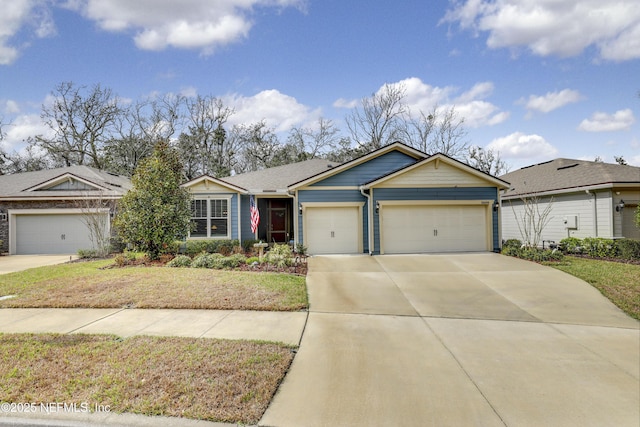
column 332, row 230
column 51, row 234
column 420, row 228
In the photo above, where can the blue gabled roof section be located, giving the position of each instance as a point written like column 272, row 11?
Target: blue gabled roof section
column 368, row 171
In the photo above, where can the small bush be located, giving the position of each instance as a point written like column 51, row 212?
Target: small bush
column 301, row 249
column 195, row 247
column 233, row 261
column 247, row 245
column 253, row 259
column 279, row 255
column 598, row 247
column 87, row 253
column 571, row 245
column 512, row 244
column 180, row 261
column 206, row 260
column 533, row 254
column 628, row 248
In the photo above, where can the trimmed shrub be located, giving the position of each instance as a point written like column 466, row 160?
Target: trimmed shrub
column 512, row 244
column 571, row 245
column 533, row 254
column 87, row 253
column 598, row 247
column 205, row 260
column 212, row 246
column 252, row 259
column 247, row 245
column 180, row 261
column 233, row 261
column 628, row 248
column 279, row 255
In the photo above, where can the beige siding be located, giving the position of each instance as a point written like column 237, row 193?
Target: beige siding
column 428, row 175
column 208, row 187
column 631, row 200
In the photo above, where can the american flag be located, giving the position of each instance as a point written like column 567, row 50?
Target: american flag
column 255, row 215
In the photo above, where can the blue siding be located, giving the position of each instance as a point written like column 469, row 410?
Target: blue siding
column 245, row 218
column 474, row 193
column 305, row 196
column 368, row 171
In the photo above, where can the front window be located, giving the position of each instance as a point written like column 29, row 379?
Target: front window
column 210, row 218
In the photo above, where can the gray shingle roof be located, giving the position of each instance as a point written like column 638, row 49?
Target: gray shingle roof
column 280, row 177
column 18, row 185
column 564, row 174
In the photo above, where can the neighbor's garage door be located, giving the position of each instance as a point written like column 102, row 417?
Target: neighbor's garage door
column 332, row 230
column 51, row 234
column 425, row 228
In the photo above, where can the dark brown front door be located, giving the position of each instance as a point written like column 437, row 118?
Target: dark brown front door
column 278, row 221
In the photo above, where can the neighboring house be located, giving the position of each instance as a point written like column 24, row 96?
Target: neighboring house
column 393, row 200
column 588, row 199
column 42, row 212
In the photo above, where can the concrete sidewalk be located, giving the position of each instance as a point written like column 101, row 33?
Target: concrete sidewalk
column 285, row 327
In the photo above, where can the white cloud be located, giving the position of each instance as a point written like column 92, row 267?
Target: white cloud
column 15, row 15
column 563, row 28
column 280, row 111
column 551, row 100
column 185, row 24
column 603, row 122
column 11, row 107
column 470, row 105
column 521, row 146
column 23, row 127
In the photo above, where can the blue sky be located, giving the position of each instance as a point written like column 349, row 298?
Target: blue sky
column 534, row 79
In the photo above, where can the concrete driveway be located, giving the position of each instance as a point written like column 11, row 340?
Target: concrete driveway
column 453, row 340
column 13, row 263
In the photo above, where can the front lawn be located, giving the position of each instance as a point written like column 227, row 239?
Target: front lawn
column 88, row 284
column 617, row 281
column 208, row 379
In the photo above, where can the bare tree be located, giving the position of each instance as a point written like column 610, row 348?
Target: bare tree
column 206, row 119
column 259, row 145
column 532, row 219
column 317, row 141
column 620, row 160
column 378, row 121
column 95, row 215
column 488, row 161
column 81, row 124
column 441, row 130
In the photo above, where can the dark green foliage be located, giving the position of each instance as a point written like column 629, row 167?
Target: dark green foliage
column 247, row 245
column 533, row 254
column 512, row 244
column 571, row 245
column 156, row 211
column 628, row 248
column 598, row 247
column 212, row 246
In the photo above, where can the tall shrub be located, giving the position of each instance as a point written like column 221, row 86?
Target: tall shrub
column 156, row 211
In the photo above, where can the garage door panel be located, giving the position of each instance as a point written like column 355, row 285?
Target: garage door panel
column 428, row 228
column 51, row 234
column 332, row 230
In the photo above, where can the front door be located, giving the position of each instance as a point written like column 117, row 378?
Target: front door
column 278, row 221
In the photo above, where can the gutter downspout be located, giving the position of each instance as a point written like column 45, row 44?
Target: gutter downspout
column 295, row 214
column 369, row 218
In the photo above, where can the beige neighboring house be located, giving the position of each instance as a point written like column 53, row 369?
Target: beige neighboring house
column 589, row 199
column 42, row 212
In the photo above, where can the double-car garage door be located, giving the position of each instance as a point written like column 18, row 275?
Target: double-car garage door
column 50, row 234
column 403, row 228
column 429, row 228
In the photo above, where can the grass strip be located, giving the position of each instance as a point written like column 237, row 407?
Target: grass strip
column 205, row 379
column 617, row 281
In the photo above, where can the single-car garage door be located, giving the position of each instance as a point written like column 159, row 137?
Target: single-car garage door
column 428, row 228
column 51, row 234
column 332, row 230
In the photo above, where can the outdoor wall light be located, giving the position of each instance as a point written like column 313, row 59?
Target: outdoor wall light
column 377, row 207
column 300, row 208
column 620, row 206
column 496, row 206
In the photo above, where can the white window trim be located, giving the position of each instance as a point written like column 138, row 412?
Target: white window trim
column 209, row 236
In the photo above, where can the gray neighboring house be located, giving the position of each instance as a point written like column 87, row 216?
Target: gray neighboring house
column 41, row 212
column 589, row 199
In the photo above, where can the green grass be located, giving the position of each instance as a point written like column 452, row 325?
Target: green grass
column 206, row 379
column 89, row 284
column 619, row 282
